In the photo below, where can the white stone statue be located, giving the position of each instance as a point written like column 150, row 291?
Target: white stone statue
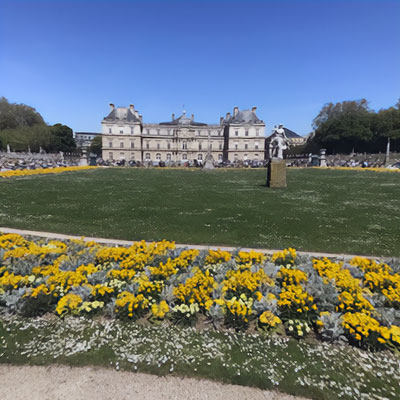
column 278, row 143
column 8, row 149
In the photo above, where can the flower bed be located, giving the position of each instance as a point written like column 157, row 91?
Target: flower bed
column 358, row 301
column 41, row 171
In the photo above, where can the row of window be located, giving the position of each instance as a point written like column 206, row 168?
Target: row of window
column 246, row 146
column 147, row 156
column 184, row 146
column 246, row 132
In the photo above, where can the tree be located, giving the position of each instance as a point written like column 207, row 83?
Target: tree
column 343, row 127
column 96, row 146
column 62, row 138
column 17, row 115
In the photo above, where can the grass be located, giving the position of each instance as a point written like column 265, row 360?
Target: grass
column 354, row 212
column 314, row 370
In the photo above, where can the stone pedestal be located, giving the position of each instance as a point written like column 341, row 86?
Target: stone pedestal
column 276, row 175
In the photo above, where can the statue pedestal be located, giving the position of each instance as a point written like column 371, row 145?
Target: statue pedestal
column 276, row 175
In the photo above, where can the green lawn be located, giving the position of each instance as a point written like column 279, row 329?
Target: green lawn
column 321, row 210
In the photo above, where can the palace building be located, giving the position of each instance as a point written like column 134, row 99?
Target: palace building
column 240, row 136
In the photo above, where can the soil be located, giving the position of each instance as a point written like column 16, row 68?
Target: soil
column 61, row 382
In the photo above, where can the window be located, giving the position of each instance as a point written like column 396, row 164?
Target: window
column 220, row 157
column 184, row 145
column 198, row 133
column 158, row 156
column 256, row 146
column 132, row 130
column 132, row 145
column 110, row 155
column 147, row 156
column 121, row 156
column 210, row 146
column 121, row 130
column 199, row 146
column 258, row 132
column 246, row 146
column 168, row 157
column 184, row 156
column 158, row 146
column 247, row 132
column 121, row 145
column 109, row 130
column 147, row 145
column 236, row 146
column 200, row 157
column 158, row 131
column 236, row 133
column 168, row 145
column 110, row 144
column 148, row 131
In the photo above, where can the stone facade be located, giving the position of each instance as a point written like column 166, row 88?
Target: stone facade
column 237, row 137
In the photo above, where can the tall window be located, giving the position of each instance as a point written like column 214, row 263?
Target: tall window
column 158, row 146
column 110, row 155
column 200, row 157
column 256, row 146
column 110, row 144
column 184, row 156
column 220, row 146
column 199, row 146
column 247, row 132
column 121, row 130
column 236, row 133
column 236, row 146
column 147, row 156
column 158, row 156
column 121, row 145
column 246, row 146
column 184, row 145
column 210, row 146
column 109, row 130
column 257, row 131
column 131, row 130
column 168, row 157
column 147, row 145
column 220, row 157
column 132, row 145
column 168, row 145
column 148, row 131
column 158, row 131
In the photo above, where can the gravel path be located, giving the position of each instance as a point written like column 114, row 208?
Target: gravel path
column 61, row 382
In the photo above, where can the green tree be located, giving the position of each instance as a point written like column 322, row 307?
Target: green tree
column 62, row 138
column 17, row 115
column 96, row 146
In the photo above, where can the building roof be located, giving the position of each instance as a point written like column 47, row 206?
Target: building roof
column 243, row 117
column 291, row 135
column 184, row 120
column 87, row 133
column 122, row 114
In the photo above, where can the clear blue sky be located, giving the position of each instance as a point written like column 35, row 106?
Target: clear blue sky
column 70, row 59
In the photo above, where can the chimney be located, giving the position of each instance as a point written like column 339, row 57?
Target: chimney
column 235, row 111
column 112, row 106
column 141, row 117
column 131, row 107
column 221, row 121
column 192, row 117
column 173, row 117
column 136, row 113
column 253, row 109
column 228, row 116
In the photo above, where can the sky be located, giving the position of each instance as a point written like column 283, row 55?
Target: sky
column 71, row 59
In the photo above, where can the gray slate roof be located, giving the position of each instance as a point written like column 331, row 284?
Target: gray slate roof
column 245, row 117
column 290, row 134
column 183, row 120
column 122, row 114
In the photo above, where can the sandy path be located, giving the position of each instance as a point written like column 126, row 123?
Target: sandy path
column 60, row 382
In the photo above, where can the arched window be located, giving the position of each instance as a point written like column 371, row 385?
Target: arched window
column 158, row 156
column 168, row 157
column 184, row 156
column 147, row 156
column 200, row 157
